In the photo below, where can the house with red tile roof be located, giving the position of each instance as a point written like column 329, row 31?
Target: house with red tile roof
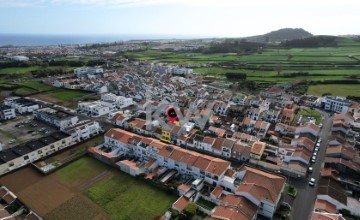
column 346, row 117
column 241, row 151
column 308, row 128
column 181, row 204
column 303, row 142
column 285, row 129
column 326, row 216
column 227, row 147
column 332, row 192
column 257, row 150
column 234, row 207
column 263, row 189
column 217, row 146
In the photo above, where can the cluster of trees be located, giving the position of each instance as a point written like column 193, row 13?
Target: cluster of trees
column 318, row 41
column 233, row 46
column 238, row 76
column 48, row 72
column 71, row 63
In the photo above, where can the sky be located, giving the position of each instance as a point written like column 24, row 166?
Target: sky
column 198, row 18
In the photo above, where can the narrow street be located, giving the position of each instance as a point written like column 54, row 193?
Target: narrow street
column 304, row 201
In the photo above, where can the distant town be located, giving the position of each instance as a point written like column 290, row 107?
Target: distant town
column 84, row 131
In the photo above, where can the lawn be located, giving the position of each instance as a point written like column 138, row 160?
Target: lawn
column 335, row 89
column 311, row 113
column 19, row 70
column 124, row 197
column 81, row 170
column 36, row 85
column 24, row 91
column 67, row 95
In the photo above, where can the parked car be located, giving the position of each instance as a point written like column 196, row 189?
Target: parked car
column 317, row 144
column 313, row 159
column 316, row 149
column 312, row 182
column 315, row 154
column 310, row 169
column 320, row 125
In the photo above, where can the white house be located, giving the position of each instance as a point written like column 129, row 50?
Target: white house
column 21, row 105
column 7, row 113
column 93, row 109
column 88, row 70
column 83, row 130
column 58, row 118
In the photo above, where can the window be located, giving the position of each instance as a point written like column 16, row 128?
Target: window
column 26, row 157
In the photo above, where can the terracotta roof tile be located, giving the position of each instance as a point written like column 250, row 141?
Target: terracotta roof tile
column 218, row 143
column 181, row 203
column 257, row 148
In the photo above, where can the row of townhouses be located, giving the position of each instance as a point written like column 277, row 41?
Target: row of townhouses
column 259, row 188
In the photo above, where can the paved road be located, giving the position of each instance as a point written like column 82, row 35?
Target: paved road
column 305, row 199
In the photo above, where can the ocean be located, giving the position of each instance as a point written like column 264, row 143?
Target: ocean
column 46, row 40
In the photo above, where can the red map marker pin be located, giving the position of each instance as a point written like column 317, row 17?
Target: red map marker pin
column 171, row 114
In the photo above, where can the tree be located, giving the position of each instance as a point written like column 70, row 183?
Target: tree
column 278, row 68
column 44, row 65
column 190, row 210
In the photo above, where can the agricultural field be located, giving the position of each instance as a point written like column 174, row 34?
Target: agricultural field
column 80, row 170
column 335, row 89
column 30, row 87
column 64, row 97
column 325, row 63
column 124, row 197
column 55, row 196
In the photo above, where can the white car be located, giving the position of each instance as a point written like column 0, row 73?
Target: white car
column 320, row 125
column 313, row 159
column 316, row 149
column 317, row 144
column 312, row 182
column 315, row 154
column 310, row 169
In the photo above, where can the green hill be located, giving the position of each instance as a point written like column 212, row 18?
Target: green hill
column 281, row 35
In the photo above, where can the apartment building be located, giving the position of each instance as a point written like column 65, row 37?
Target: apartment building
column 58, row 118
column 93, row 109
column 29, row 152
column 83, row 130
column 21, row 105
column 336, row 104
column 7, row 113
column 88, row 70
column 115, row 102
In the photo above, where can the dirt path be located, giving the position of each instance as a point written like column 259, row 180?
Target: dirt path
column 94, row 180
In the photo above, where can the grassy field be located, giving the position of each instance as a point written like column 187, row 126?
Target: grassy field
column 19, row 70
column 124, row 197
column 29, row 88
column 81, row 170
column 332, row 63
column 67, row 95
column 22, row 70
column 311, row 113
column 335, row 89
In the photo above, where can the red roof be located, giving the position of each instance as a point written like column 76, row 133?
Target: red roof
column 181, row 203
